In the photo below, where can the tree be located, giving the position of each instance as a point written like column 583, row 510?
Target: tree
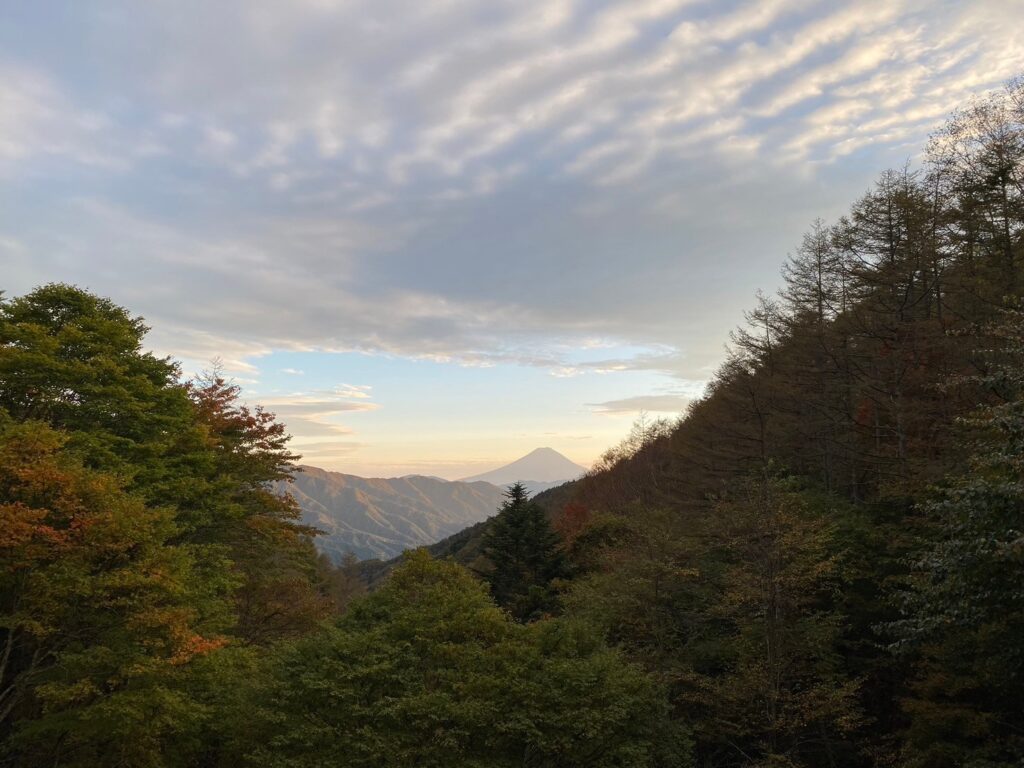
column 735, row 613
column 139, row 531
column 233, row 507
column 784, row 696
column 964, row 615
column 524, row 556
column 428, row 671
column 75, row 361
column 815, row 279
column 99, row 614
column 572, row 522
column 977, row 160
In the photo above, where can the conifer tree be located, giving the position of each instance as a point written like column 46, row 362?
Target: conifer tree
column 524, row 554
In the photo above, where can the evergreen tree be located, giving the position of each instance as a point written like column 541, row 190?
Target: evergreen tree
column 524, row 556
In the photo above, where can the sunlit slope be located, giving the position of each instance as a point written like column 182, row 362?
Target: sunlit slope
column 382, row 517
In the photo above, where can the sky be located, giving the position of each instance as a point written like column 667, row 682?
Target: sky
column 433, row 236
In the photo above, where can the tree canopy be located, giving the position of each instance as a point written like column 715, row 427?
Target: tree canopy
column 523, row 556
column 428, row 671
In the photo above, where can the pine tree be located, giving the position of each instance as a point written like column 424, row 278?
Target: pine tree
column 524, row 554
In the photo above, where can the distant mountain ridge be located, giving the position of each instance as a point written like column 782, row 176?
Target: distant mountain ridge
column 379, row 518
column 538, row 470
column 382, row 517
column 464, row 547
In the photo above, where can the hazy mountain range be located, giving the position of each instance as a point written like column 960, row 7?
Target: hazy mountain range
column 382, row 517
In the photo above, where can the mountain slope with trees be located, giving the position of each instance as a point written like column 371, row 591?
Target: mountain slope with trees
column 823, row 558
column 383, row 517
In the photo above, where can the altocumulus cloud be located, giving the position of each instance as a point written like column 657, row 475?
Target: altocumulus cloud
column 480, row 182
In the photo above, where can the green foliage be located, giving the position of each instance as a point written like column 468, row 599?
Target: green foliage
column 524, row 556
column 138, row 534
column 964, row 618
column 428, row 671
column 98, row 614
column 736, row 611
column 74, row 361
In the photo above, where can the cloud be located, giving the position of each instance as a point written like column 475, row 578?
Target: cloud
column 40, row 123
column 325, row 452
column 355, row 391
column 325, row 403
column 315, row 414
column 218, row 141
column 471, row 182
column 654, row 403
column 315, row 407
column 301, row 428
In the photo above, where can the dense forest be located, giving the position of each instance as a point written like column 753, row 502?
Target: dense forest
column 820, row 564
column 823, row 560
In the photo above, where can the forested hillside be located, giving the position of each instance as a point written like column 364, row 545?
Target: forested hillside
column 381, row 517
column 824, row 559
column 820, row 564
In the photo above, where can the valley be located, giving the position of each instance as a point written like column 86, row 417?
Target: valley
column 379, row 518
